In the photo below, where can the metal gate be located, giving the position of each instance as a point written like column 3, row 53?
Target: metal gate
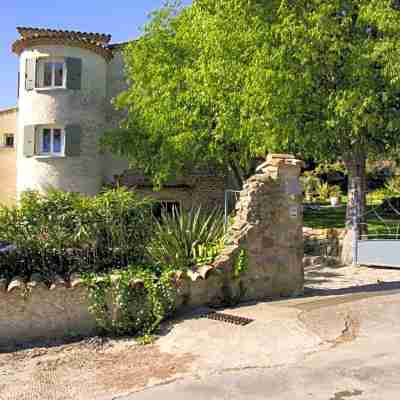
column 379, row 249
column 378, row 252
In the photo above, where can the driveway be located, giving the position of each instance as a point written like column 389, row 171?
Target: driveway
column 339, row 342
column 331, row 349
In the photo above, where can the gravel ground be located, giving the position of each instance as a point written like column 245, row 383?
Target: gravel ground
column 90, row 369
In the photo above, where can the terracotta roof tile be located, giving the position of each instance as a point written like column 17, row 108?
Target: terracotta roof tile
column 29, row 32
column 96, row 42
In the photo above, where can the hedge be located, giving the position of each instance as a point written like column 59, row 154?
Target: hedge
column 62, row 233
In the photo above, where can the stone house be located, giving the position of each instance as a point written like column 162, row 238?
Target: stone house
column 66, row 82
column 8, row 159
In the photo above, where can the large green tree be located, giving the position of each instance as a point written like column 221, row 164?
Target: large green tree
column 335, row 87
column 226, row 81
column 192, row 98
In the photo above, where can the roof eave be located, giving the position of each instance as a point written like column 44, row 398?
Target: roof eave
column 20, row 45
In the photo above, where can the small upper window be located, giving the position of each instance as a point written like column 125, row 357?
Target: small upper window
column 9, row 140
column 51, row 73
column 51, row 141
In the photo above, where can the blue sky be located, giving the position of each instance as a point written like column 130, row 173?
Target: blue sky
column 120, row 18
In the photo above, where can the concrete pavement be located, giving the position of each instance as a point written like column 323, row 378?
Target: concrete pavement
column 364, row 370
column 328, row 348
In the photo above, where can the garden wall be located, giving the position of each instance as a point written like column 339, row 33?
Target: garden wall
column 205, row 189
column 36, row 311
column 262, row 259
column 333, row 243
column 266, row 236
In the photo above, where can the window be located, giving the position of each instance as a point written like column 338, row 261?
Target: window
column 8, row 140
column 51, row 73
column 51, row 141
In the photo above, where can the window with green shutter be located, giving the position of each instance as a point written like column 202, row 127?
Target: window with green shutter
column 50, row 73
column 30, row 74
column 74, row 73
column 73, row 135
column 29, row 140
column 52, row 140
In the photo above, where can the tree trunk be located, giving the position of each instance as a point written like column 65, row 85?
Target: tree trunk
column 357, row 191
column 237, row 174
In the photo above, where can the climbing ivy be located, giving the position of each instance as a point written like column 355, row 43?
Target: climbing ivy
column 98, row 286
column 131, row 301
column 241, row 264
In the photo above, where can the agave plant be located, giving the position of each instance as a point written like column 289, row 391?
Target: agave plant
column 181, row 236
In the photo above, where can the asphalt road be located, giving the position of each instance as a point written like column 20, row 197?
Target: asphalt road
column 331, row 348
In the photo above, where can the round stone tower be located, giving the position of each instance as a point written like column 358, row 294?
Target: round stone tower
column 61, row 109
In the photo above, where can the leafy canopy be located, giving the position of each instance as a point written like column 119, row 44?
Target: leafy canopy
column 335, row 87
column 194, row 95
column 225, row 81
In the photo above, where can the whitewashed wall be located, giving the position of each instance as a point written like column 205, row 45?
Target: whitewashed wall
column 86, row 107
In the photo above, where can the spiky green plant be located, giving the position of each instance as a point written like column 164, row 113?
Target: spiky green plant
column 181, row 236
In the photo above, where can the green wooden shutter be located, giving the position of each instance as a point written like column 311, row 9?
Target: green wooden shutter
column 73, row 134
column 29, row 140
column 74, row 73
column 30, row 74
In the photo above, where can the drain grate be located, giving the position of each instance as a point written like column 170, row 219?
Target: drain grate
column 230, row 319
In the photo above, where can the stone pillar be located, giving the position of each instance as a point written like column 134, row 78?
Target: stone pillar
column 268, row 230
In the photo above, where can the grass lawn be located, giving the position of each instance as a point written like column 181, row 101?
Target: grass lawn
column 334, row 217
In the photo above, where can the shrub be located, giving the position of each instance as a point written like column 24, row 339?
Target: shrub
column 392, row 187
column 323, row 191
column 379, row 174
column 131, row 301
column 61, row 233
column 310, row 184
column 335, row 191
column 183, row 239
column 330, row 171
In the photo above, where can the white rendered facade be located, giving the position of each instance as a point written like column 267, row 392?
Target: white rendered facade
column 67, row 81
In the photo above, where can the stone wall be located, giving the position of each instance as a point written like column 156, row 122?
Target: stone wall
column 332, row 243
column 266, row 235
column 207, row 191
column 35, row 311
column 268, row 230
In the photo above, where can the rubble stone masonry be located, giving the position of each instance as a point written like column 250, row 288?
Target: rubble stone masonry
column 266, row 234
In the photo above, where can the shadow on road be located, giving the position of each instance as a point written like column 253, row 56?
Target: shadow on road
column 375, row 287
